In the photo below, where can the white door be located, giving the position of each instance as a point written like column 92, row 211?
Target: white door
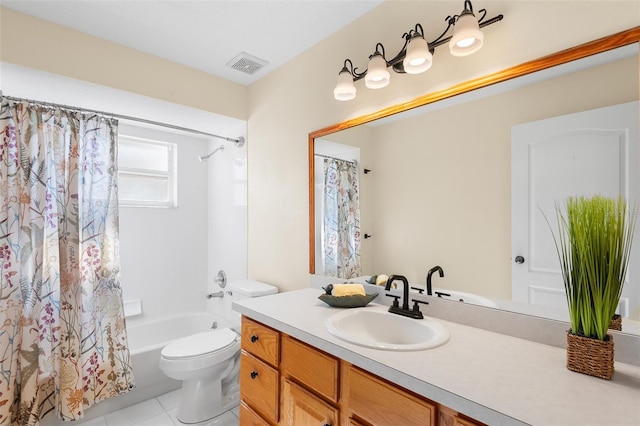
column 587, row 153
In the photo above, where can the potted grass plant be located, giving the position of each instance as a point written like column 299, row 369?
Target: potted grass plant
column 594, row 244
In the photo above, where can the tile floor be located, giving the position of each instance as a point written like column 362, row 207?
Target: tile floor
column 159, row 411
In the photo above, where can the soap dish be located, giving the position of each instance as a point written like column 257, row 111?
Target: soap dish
column 352, row 301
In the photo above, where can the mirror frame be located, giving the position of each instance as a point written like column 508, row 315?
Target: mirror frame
column 578, row 52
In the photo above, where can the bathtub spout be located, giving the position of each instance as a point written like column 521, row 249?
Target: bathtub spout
column 219, row 294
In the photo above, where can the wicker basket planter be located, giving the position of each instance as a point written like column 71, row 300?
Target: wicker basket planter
column 590, row 356
column 616, row 323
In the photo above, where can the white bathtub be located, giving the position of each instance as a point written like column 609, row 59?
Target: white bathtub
column 146, row 340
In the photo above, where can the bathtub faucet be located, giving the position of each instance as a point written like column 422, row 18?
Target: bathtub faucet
column 431, row 271
column 219, row 294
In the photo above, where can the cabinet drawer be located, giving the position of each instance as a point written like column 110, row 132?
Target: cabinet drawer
column 449, row 417
column 259, row 384
column 301, row 407
column 317, row 370
column 379, row 403
column 249, row 418
column 261, row 341
column 463, row 421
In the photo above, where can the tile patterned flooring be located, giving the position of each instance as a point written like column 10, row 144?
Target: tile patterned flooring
column 159, row 411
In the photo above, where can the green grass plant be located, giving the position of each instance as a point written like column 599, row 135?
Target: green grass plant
column 594, row 242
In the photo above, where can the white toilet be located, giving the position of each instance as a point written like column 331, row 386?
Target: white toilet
column 208, row 363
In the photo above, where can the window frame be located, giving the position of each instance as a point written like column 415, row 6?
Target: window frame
column 171, row 174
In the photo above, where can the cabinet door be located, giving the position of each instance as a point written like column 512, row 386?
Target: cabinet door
column 249, row 418
column 300, row 407
column 259, row 386
column 376, row 402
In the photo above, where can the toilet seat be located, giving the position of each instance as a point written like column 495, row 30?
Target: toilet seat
column 200, row 344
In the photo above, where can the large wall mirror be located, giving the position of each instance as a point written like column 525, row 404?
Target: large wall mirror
column 440, row 178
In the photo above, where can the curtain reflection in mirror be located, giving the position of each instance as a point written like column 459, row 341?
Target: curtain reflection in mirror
column 341, row 225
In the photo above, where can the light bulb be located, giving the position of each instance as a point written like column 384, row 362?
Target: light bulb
column 345, row 89
column 467, row 37
column 377, row 75
column 418, row 59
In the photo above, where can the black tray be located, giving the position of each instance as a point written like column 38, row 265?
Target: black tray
column 352, row 301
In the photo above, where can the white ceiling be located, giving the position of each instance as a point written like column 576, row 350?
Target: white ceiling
column 205, row 34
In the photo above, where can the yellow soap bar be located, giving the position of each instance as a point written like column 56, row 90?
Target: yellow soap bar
column 347, row 289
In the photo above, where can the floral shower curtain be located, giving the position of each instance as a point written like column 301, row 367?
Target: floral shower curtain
column 63, row 342
column 341, row 219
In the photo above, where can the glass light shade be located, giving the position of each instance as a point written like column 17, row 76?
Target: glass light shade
column 345, row 89
column 467, row 37
column 377, row 75
column 418, row 59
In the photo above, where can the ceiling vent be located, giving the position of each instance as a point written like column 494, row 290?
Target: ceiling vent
column 246, row 63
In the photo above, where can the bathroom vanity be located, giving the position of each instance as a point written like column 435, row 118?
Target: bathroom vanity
column 293, row 371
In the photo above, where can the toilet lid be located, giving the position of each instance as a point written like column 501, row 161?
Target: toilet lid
column 199, row 344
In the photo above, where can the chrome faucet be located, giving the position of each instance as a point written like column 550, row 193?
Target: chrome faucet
column 404, row 310
column 431, row 271
column 219, row 294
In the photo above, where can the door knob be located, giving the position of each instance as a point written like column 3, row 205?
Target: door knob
column 519, row 260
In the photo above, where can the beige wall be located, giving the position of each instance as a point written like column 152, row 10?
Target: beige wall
column 38, row 44
column 288, row 104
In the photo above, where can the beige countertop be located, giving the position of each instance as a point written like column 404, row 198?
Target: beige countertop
column 496, row 379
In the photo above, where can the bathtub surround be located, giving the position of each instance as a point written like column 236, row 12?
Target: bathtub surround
column 63, row 340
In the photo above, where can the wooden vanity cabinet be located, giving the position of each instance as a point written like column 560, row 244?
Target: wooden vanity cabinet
column 259, row 374
column 284, row 381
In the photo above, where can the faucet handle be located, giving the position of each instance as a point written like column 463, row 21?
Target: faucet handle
column 416, row 308
column 395, row 300
column 420, row 290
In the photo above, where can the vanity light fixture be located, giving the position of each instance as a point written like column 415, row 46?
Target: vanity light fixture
column 416, row 56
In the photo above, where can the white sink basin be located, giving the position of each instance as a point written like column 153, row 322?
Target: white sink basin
column 376, row 328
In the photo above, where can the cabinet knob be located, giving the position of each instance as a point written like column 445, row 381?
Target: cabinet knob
column 254, row 374
column 254, row 338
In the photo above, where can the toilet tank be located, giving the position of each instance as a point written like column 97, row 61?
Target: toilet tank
column 246, row 289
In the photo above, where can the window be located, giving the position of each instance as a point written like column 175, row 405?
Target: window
column 146, row 172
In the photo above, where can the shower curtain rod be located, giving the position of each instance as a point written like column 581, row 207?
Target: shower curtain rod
column 239, row 141
column 336, row 158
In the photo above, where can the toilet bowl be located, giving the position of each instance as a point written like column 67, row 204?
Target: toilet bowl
column 208, row 363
